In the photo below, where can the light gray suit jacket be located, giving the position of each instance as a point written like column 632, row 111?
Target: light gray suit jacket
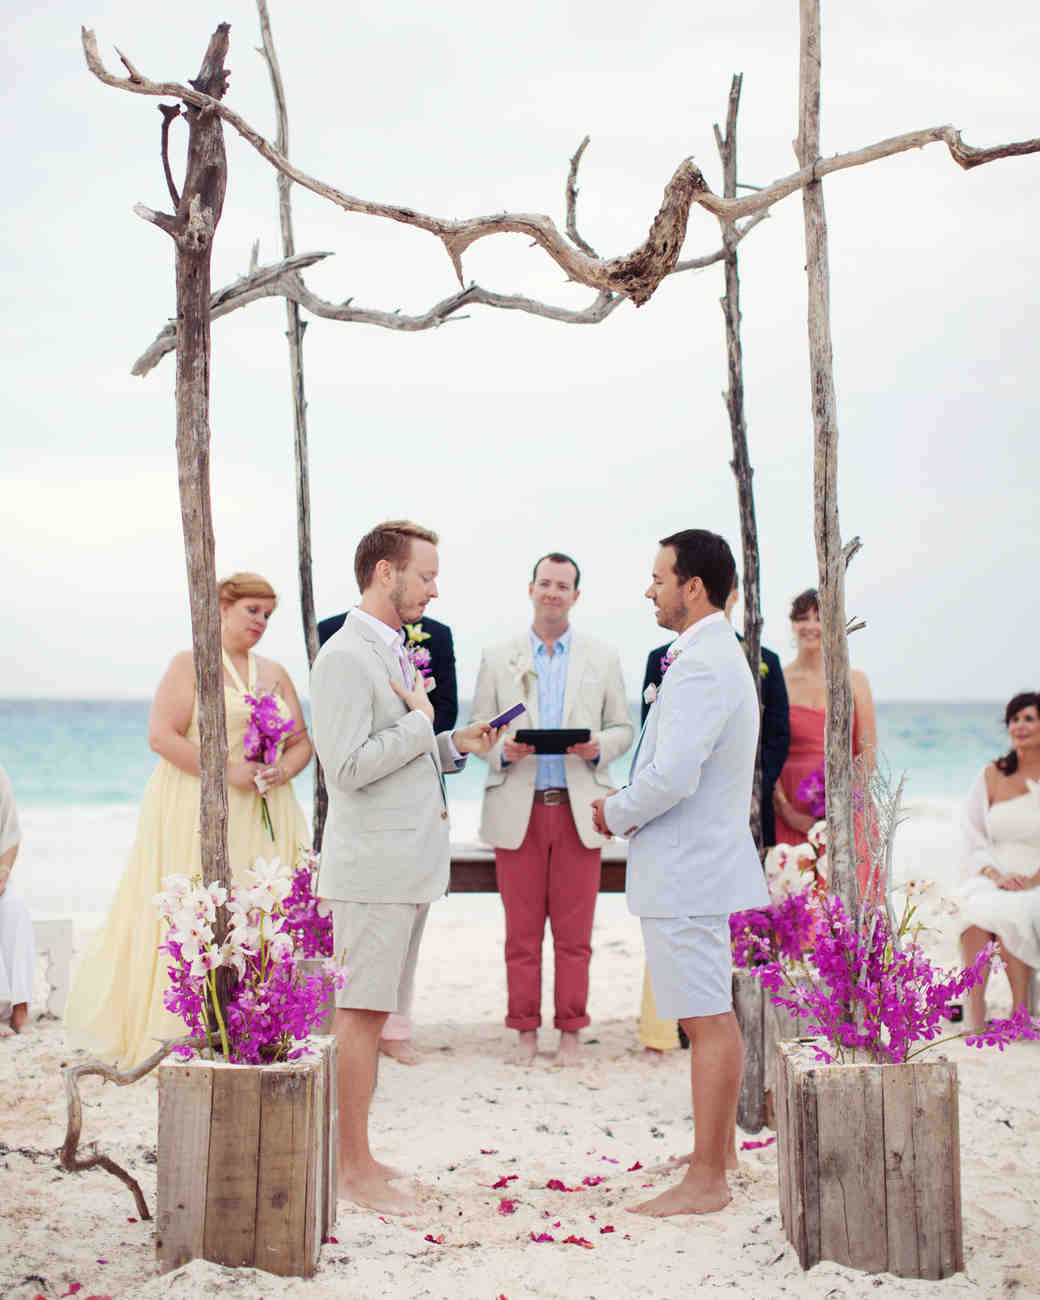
column 689, row 796
column 594, row 697
column 386, row 836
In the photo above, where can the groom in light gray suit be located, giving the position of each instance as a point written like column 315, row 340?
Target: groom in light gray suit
column 385, row 855
column 691, row 854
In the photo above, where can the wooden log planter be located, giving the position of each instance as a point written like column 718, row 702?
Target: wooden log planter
column 869, row 1164
column 247, row 1162
column 763, row 1025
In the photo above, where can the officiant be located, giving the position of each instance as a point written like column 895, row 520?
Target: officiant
column 537, row 807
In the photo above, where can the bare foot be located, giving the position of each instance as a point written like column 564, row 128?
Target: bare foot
column 390, row 1172
column 569, row 1050
column 676, row 1162
column 526, row 1048
column 699, row 1193
column 373, row 1192
column 20, row 1017
column 401, row 1050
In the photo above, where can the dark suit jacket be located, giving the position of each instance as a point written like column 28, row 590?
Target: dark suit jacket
column 776, row 727
column 445, row 695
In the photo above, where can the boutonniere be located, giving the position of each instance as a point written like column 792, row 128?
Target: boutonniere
column 417, row 653
column 668, row 658
column 763, row 668
column 650, row 694
column 521, row 665
column 415, row 634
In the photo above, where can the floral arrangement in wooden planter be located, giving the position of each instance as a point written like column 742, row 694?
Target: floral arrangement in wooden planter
column 247, row 1117
column 868, row 1143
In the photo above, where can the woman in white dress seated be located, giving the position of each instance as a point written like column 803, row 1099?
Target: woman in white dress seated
column 17, row 946
column 999, row 898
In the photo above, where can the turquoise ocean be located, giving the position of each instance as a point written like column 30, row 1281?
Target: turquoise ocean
column 78, row 768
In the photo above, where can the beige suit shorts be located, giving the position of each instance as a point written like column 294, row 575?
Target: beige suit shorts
column 379, row 944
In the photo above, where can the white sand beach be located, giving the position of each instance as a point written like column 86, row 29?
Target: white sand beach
column 463, row 1120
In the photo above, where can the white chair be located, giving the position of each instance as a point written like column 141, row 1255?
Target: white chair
column 53, row 937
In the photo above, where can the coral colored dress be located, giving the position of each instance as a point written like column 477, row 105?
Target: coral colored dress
column 115, row 1009
column 805, row 756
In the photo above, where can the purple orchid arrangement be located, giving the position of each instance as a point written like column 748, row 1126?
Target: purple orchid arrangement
column 812, row 792
column 780, row 932
column 273, row 1006
column 796, row 875
column 863, row 992
column 310, row 928
column 268, row 727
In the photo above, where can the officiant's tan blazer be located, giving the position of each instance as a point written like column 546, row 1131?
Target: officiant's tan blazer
column 594, row 698
column 386, row 836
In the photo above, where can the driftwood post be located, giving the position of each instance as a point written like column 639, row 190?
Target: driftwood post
column 294, row 333
column 841, row 838
column 741, row 462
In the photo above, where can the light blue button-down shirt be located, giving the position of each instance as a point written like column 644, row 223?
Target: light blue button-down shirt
column 552, row 684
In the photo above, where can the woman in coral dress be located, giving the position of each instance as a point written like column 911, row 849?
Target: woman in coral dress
column 807, row 699
column 115, row 1009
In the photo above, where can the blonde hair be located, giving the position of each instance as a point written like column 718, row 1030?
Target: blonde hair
column 240, row 585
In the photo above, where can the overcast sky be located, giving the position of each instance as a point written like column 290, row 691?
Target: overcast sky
column 509, row 434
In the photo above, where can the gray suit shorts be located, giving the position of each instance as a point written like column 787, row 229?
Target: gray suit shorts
column 379, row 944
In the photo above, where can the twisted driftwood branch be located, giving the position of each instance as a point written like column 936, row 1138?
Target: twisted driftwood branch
column 280, row 280
column 70, row 1158
column 635, row 275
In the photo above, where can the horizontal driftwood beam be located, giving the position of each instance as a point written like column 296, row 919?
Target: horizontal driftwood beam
column 473, row 869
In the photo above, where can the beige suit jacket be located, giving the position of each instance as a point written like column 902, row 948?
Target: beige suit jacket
column 386, row 835
column 594, row 698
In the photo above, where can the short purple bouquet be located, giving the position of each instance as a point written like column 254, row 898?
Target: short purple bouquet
column 273, row 1005
column 813, row 793
column 268, row 727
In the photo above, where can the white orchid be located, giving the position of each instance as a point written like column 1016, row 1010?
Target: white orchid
column 521, row 665
column 818, row 835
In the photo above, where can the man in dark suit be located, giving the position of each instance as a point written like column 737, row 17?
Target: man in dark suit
column 436, row 638
column 776, row 725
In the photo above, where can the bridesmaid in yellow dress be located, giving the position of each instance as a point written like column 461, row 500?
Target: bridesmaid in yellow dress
column 115, row 1009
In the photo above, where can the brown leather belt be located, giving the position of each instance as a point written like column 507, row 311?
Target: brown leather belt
column 554, row 795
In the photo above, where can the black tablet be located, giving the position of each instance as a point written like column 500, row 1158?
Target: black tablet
column 553, row 742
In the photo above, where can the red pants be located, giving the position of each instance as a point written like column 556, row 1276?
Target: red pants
column 551, row 874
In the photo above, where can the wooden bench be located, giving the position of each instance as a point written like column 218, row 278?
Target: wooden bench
column 473, row 868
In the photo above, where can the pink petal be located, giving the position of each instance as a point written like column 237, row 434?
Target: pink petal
column 608, row 1228
column 489, row 1151
column 632, row 1168
column 506, row 1206
column 754, row 1146
column 541, row 1236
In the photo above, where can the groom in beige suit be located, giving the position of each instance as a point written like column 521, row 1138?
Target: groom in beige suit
column 385, row 855
column 537, row 809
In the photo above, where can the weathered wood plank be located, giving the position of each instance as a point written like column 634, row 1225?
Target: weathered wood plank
column 288, row 1127
column 234, row 1145
column 330, row 1132
column 185, row 1098
column 809, row 1134
column 786, row 1159
column 747, row 1005
column 921, row 1167
column 850, row 1130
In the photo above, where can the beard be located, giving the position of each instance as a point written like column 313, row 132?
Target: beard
column 407, row 611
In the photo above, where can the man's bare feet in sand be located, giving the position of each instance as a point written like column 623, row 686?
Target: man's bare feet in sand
column 20, row 1017
column 372, row 1191
column 401, row 1050
column 390, row 1172
column 569, row 1050
column 526, row 1048
column 677, row 1162
column 699, row 1193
